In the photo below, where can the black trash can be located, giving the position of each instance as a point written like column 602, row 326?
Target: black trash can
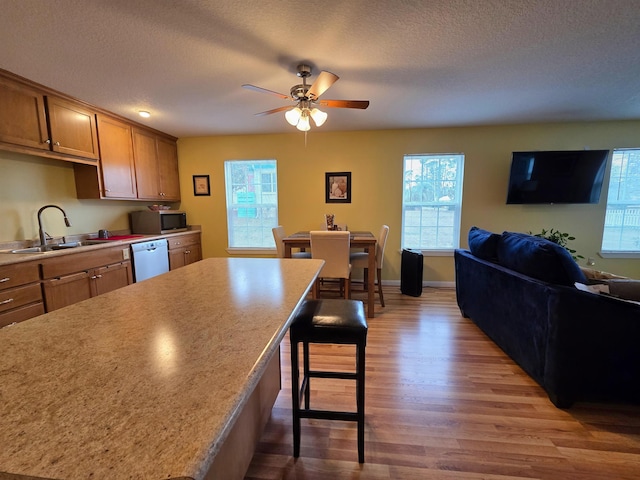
column 411, row 273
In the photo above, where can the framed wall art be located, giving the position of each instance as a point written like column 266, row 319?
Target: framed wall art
column 338, row 187
column 201, row 186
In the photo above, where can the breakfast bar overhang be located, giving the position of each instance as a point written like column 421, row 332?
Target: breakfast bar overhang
column 161, row 379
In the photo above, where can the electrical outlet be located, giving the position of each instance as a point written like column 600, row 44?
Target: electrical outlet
column 125, row 254
column 591, row 262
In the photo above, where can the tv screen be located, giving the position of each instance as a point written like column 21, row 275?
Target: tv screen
column 568, row 176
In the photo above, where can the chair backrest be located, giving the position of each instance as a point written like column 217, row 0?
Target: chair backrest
column 382, row 242
column 278, row 235
column 333, row 248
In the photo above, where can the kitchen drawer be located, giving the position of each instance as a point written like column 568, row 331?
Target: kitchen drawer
column 18, row 274
column 21, row 314
column 19, row 296
column 78, row 262
column 180, row 241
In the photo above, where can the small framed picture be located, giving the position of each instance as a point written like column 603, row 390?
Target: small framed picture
column 201, row 185
column 338, row 187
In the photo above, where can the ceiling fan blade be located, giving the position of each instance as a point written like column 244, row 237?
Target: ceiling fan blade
column 264, row 90
column 362, row 104
column 275, row 110
column 322, row 83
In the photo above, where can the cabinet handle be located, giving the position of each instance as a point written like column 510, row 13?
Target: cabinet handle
column 5, row 279
column 187, row 252
column 8, row 300
column 107, row 189
column 178, row 243
column 57, row 144
column 48, row 141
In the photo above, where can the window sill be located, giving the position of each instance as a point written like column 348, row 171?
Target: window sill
column 611, row 254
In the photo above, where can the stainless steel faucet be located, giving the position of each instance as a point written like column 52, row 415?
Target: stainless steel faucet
column 41, row 232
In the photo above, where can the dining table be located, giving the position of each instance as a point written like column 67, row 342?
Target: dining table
column 359, row 240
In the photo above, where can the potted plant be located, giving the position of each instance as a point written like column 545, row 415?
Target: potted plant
column 560, row 238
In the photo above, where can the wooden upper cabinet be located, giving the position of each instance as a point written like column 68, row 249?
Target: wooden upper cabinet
column 73, row 128
column 22, row 116
column 168, row 168
column 116, row 158
column 156, row 162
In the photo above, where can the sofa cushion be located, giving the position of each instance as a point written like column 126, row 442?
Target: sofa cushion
column 625, row 288
column 483, row 244
column 593, row 274
column 538, row 258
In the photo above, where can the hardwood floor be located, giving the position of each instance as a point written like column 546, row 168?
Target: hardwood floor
column 443, row 402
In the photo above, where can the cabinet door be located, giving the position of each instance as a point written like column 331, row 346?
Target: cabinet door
column 146, row 162
column 168, row 169
column 176, row 258
column 22, row 116
column 73, row 128
column 116, row 158
column 66, row 290
column 192, row 254
column 112, row 277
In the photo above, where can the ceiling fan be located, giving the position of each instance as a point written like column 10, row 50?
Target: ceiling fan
column 307, row 97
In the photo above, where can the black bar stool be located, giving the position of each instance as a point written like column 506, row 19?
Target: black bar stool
column 328, row 321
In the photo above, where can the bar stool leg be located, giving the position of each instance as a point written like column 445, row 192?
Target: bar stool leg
column 295, row 399
column 360, row 399
column 306, row 377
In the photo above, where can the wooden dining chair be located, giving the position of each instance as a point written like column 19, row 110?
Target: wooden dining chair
column 333, row 248
column 278, row 235
column 361, row 260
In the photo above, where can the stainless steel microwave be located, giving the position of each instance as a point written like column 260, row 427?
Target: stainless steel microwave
column 161, row 221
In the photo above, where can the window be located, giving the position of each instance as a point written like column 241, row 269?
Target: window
column 252, row 202
column 622, row 222
column 431, row 201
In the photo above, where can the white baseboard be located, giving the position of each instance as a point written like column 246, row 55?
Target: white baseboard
column 424, row 284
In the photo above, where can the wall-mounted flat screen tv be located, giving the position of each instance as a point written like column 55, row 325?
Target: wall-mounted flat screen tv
column 568, row 176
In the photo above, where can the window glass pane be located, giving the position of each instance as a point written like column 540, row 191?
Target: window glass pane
column 431, row 201
column 622, row 222
column 252, row 202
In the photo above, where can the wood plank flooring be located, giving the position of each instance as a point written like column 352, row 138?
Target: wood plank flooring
column 443, row 402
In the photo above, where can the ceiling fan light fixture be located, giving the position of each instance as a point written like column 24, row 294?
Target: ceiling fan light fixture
column 303, row 124
column 293, row 116
column 319, row 117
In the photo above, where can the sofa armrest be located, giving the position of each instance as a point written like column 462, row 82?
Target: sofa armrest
column 592, row 350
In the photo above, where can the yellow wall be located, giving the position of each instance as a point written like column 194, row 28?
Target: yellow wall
column 27, row 183
column 375, row 160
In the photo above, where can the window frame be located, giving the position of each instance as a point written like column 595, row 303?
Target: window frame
column 455, row 205
column 259, row 207
column 619, row 178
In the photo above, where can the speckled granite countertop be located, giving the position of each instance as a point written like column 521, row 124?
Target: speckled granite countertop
column 145, row 381
column 7, row 258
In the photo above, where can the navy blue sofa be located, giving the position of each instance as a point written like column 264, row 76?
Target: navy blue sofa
column 579, row 346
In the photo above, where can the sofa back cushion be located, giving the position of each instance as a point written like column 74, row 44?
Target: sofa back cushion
column 538, row 258
column 483, row 244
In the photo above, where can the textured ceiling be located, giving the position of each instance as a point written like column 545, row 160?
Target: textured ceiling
column 420, row 63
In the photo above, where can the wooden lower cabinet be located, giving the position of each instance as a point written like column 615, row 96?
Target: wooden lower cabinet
column 68, row 289
column 184, row 249
column 72, row 278
column 20, row 293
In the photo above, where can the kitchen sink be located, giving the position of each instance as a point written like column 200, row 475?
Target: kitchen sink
column 57, row 246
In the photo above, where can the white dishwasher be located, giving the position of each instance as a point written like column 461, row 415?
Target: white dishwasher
column 150, row 259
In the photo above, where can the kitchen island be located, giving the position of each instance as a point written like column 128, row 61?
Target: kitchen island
column 172, row 377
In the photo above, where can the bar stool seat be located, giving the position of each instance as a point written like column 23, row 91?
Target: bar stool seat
column 334, row 321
